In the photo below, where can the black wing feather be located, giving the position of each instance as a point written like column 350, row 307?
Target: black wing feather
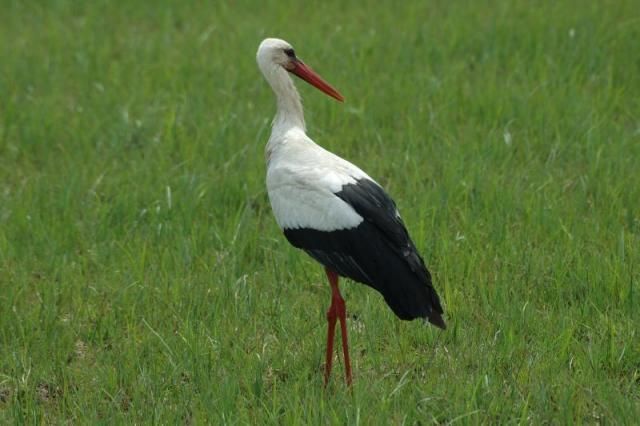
column 378, row 252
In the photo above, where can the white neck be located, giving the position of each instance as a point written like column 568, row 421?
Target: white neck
column 289, row 112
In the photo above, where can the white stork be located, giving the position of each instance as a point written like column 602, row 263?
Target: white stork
column 334, row 211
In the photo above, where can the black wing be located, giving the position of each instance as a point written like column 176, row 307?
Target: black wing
column 378, row 252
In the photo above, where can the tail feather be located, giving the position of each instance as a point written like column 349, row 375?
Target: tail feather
column 436, row 319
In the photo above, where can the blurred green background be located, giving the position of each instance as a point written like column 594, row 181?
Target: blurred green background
column 144, row 280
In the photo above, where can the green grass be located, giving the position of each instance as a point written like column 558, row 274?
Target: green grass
column 143, row 278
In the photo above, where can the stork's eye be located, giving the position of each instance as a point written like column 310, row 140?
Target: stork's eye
column 290, row 53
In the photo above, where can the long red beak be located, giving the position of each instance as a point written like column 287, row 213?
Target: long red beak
column 308, row 75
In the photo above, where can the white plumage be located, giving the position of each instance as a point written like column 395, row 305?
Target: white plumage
column 302, row 180
column 302, row 177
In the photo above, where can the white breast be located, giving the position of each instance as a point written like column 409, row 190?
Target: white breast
column 302, row 180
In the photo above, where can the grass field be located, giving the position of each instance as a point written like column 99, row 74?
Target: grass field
column 143, row 278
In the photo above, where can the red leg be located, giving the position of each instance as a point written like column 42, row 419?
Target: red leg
column 331, row 321
column 337, row 310
column 345, row 344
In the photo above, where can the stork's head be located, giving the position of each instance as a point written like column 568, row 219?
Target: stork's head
column 274, row 54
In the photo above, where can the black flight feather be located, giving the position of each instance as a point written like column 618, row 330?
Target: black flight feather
column 378, row 252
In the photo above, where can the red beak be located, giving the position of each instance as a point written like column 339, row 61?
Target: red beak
column 308, row 75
